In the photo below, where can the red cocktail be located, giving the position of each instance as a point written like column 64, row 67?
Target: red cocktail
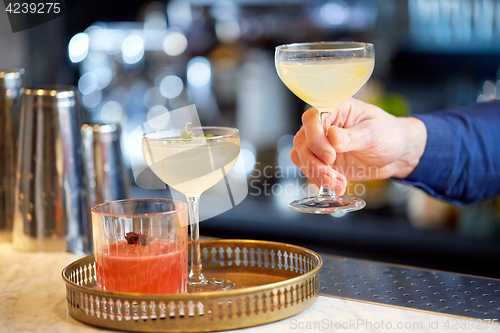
column 140, row 246
column 157, row 268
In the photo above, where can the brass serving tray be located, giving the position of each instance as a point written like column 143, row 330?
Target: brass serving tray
column 273, row 281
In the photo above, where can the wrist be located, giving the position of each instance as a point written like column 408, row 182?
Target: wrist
column 416, row 138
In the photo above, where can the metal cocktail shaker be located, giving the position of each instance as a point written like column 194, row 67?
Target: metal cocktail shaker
column 106, row 175
column 51, row 202
column 10, row 86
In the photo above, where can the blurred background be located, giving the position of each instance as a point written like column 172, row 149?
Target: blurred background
column 135, row 60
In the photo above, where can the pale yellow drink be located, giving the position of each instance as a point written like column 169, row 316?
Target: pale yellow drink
column 191, row 166
column 325, row 82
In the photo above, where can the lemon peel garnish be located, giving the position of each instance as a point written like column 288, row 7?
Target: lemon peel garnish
column 188, row 134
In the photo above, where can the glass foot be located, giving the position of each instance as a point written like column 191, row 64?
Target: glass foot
column 327, row 205
column 209, row 285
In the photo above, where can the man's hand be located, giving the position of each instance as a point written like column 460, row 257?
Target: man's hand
column 357, row 141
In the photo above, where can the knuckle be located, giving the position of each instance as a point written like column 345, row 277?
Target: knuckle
column 296, row 140
column 304, row 118
column 312, row 144
column 305, row 170
column 373, row 136
column 294, row 156
column 307, row 116
column 348, row 137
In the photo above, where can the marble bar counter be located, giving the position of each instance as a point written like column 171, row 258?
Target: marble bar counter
column 33, row 299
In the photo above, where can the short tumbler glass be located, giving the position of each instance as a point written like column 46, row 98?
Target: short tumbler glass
column 141, row 246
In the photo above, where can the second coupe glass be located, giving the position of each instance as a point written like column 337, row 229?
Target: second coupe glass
column 192, row 160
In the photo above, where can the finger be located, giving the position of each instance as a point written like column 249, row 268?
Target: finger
column 350, row 139
column 341, row 184
column 294, row 156
column 349, row 113
column 340, row 181
column 316, row 139
column 313, row 168
column 300, row 144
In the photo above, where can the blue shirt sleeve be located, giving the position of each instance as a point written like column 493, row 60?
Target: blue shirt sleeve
column 461, row 161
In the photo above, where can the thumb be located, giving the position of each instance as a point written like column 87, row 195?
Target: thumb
column 349, row 139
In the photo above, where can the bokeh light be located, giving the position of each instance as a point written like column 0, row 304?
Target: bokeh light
column 120, row 95
column 104, row 76
column 87, row 83
column 158, row 117
column 249, row 155
column 175, row 43
column 334, row 13
column 228, row 31
column 489, row 90
column 199, row 71
column 171, row 86
column 93, row 99
column 285, row 145
column 114, row 42
column 78, row 47
column 133, row 49
column 153, row 96
column 111, row 112
column 155, row 20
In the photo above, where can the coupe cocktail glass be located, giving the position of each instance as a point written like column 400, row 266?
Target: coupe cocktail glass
column 192, row 160
column 324, row 74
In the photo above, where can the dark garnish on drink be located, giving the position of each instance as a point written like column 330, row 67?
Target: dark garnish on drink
column 135, row 238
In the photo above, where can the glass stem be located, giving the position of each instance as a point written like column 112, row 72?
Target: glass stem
column 196, row 269
column 325, row 192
